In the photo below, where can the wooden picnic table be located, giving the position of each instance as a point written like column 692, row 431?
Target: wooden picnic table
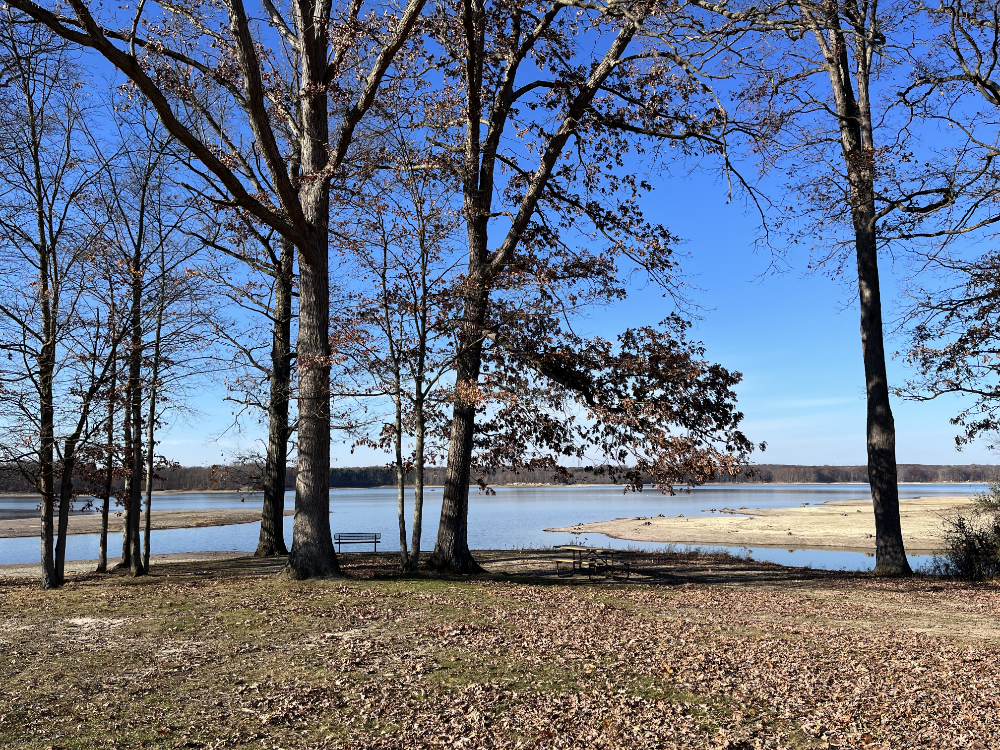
column 597, row 558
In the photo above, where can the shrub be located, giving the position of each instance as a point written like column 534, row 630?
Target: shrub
column 972, row 542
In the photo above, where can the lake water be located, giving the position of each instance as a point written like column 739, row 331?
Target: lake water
column 513, row 518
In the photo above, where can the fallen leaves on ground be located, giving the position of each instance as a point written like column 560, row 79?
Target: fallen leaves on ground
column 745, row 661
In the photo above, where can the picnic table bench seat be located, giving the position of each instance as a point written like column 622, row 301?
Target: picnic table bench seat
column 598, row 560
column 560, row 561
column 357, row 537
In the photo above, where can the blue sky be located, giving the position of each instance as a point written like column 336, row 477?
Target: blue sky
column 793, row 335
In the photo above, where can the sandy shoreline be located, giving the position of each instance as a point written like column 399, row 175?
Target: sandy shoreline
column 837, row 524
column 90, row 523
column 31, row 570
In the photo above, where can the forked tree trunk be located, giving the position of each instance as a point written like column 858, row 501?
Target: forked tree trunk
column 858, row 147
column 272, row 518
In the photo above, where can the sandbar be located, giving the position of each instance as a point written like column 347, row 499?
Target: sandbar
column 836, row 524
column 90, row 523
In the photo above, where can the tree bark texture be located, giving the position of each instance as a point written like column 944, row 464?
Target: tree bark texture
column 404, row 557
column 151, row 424
column 109, row 472
column 126, row 561
column 418, row 478
column 102, row 547
column 46, row 374
column 47, row 447
column 65, row 498
column 451, row 551
column 135, row 395
column 312, row 554
column 272, row 519
column 858, row 147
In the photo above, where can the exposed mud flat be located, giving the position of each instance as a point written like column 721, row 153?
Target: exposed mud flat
column 838, row 524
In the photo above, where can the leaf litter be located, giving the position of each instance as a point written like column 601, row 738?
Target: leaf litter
column 742, row 660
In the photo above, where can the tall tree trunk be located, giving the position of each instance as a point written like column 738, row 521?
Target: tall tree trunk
column 890, row 555
column 418, row 478
column 858, row 147
column 46, row 468
column 312, row 554
column 46, row 406
column 404, row 561
column 135, row 394
column 126, row 561
column 65, row 498
column 272, row 519
column 451, row 552
column 150, row 427
column 109, row 474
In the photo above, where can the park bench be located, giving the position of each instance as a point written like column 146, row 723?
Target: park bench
column 357, row 537
column 597, row 560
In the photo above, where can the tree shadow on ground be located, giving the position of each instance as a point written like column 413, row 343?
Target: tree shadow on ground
column 530, row 567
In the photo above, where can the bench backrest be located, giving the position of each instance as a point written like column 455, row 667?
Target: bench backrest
column 357, row 535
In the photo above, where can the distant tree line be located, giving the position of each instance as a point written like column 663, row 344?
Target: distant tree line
column 248, row 478
column 789, row 474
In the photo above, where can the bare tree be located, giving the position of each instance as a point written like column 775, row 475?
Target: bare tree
column 402, row 232
column 255, row 274
column 953, row 317
column 54, row 325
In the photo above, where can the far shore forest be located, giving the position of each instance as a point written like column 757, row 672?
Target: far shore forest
column 249, row 478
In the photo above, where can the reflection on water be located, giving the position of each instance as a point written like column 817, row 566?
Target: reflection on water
column 514, row 518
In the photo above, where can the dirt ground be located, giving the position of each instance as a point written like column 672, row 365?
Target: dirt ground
column 839, row 524
column 692, row 652
column 90, row 523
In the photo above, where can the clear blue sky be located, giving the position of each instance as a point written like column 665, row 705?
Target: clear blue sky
column 795, row 337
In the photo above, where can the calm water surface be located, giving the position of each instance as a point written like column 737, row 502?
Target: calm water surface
column 514, row 518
